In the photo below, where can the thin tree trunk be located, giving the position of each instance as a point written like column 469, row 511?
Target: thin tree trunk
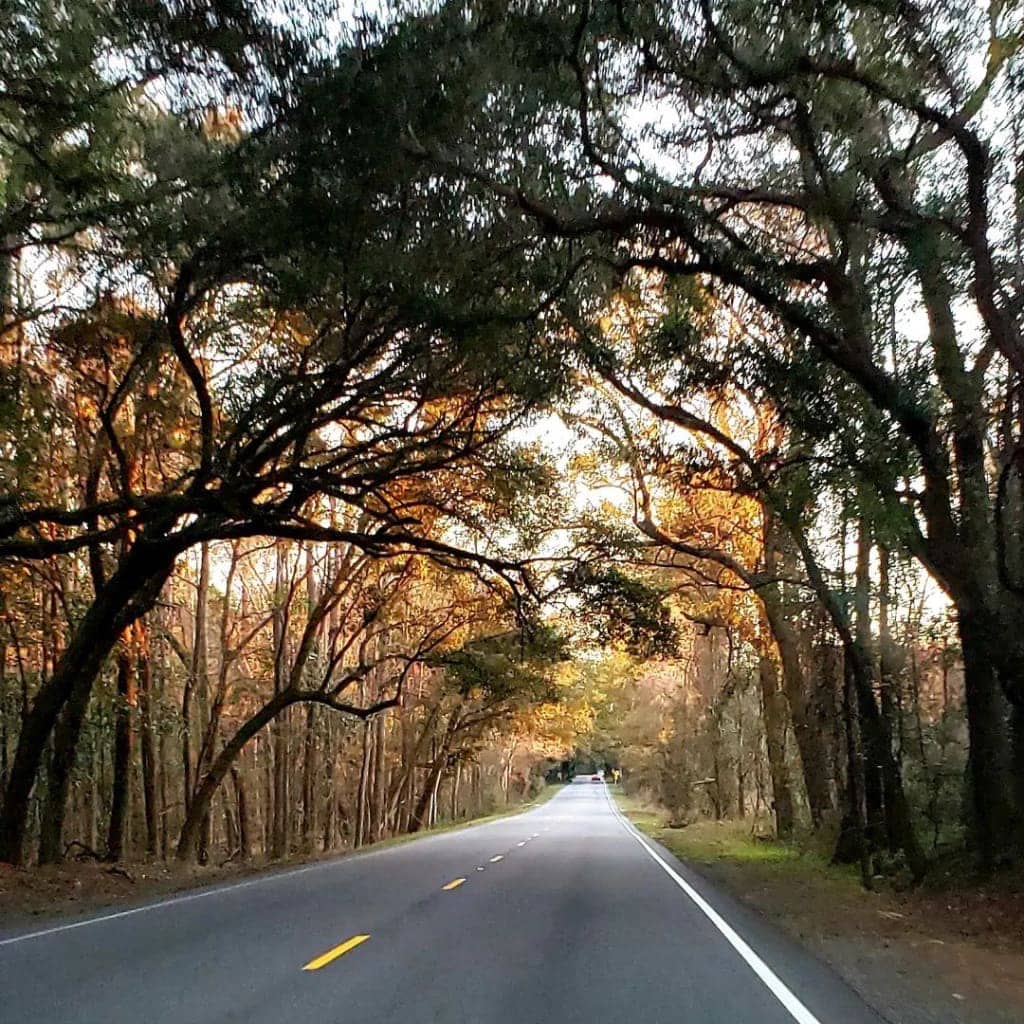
column 361, row 790
column 122, row 759
column 308, row 780
column 280, row 729
column 379, row 780
column 242, row 810
column 455, row 790
column 878, row 834
column 741, row 775
column 773, row 703
column 148, row 755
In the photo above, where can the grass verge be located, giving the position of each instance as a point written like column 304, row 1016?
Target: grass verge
column 739, row 844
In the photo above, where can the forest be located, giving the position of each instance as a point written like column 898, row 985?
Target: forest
column 401, row 408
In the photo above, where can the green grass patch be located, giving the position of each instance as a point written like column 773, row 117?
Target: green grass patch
column 736, row 844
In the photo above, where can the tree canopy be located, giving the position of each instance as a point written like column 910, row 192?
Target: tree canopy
column 530, row 355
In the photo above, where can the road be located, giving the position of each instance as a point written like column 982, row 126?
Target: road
column 565, row 915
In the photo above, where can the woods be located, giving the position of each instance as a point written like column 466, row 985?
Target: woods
column 395, row 413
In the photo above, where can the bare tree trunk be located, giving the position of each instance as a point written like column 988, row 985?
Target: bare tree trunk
column 741, row 774
column 122, row 759
column 361, row 791
column 94, row 798
column 331, row 803
column 379, row 780
column 197, row 670
column 242, row 805
column 148, row 754
column 455, row 790
column 773, row 704
column 279, row 730
column 308, row 780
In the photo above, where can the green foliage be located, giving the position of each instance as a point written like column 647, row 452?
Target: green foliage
column 617, row 608
column 509, row 667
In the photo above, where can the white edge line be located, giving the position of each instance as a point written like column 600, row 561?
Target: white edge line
column 340, row 860
column 771, row 980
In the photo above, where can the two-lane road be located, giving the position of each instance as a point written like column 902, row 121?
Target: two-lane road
column 563, row 914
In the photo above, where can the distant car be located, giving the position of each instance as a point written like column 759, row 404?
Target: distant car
column 596, row 778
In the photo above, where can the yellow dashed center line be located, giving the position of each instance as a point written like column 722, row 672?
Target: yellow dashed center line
column 453, row 884
column 333, row 954
column 500, row 856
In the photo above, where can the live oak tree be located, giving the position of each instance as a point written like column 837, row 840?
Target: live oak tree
column 310, row 299
column 710, row 497
column 844, row 167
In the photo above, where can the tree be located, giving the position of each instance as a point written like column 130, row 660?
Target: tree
column 831, row 166
column 317, row 322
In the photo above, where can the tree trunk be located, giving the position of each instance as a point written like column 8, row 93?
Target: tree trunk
column 852, row 844
column 65, row 696
column 741, row 774
column 242, row 811
column 420, row 817
column 279, row 732
column 331, row 802
column 773, row 703
column 811, row 740
column 878, row 834
column 878, row 751
column 378, row 791
column 361, row 789
column 122, row 754
column 455, row 790
column 200, row 807
column 878, row 744
column 196, row 677
column 145, row 684
column 990, row 763
column 309, row 781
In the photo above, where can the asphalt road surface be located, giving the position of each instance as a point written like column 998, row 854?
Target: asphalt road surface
column 563, row 914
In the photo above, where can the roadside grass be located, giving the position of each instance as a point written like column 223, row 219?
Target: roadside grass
column 737, row 844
